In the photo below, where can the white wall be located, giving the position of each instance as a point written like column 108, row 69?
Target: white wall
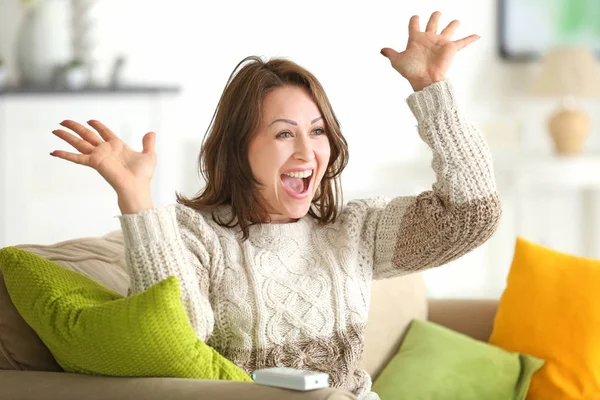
column 197, row 44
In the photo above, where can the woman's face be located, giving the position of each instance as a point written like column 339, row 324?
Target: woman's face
column 289, row 152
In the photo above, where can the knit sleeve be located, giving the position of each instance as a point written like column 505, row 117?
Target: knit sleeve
column 172, row 241
column 462, row 211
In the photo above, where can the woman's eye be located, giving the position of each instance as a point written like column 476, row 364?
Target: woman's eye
column 283, row 135
column 287, row 134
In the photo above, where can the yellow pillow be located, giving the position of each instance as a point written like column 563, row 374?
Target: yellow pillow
column 551, row 310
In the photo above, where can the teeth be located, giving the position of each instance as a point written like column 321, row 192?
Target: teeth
column 303, row 174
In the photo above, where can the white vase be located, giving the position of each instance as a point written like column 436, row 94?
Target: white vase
column 86, row 34
column 43, row 41
column 76, row 78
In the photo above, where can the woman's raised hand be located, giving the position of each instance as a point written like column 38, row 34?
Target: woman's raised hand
column 428, row 54
column 129, row 172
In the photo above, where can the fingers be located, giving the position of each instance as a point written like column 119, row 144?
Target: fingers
column 450, row 29
column 464, row 42
column 391, row 54
column 413, row 25
column 432, row 24
column 87, row 134
column 106, row 133
column 83, row 146
column 81, row 159
column 148, row 142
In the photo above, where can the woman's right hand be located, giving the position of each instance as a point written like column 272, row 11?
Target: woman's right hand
column 129, row 172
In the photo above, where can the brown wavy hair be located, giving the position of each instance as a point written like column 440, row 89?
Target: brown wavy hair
column 223, row 159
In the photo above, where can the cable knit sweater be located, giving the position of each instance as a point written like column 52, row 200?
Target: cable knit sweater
column 297, row 294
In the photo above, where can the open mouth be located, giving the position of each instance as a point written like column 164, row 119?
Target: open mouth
column 297, row 183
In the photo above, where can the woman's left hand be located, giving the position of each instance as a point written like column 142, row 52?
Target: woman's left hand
column 428, row 55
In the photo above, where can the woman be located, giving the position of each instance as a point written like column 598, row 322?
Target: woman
column 273, row 271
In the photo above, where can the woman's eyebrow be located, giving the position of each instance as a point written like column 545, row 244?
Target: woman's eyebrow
column 289, row 121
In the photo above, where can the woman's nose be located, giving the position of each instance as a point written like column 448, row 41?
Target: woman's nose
column 303, row 149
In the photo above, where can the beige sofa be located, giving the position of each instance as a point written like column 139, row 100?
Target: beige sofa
column 28, row 371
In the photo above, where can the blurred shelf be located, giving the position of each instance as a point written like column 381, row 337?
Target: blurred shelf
column 546, row 170
column 50, row 90
column 577, row 172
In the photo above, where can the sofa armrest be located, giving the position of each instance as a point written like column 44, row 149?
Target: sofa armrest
column 35, row 385
column 471, row 317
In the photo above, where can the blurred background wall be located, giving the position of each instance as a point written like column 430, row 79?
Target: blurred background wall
column 194, row 46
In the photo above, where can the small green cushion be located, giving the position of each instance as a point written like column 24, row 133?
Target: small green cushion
column 435, row 362
column 91, row 329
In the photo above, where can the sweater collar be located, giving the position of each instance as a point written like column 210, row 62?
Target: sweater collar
column 270, row 229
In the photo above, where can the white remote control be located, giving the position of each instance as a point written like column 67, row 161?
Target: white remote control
column 290, row 378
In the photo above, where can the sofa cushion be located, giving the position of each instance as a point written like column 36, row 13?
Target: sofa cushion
column 100, row 258
column 394, row 303
column 20, row 347
column 551, row 309
column 91, row 329
column 435, row 362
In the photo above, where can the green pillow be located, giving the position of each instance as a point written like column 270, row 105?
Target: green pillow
column 91, row 329
column 435, row 362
